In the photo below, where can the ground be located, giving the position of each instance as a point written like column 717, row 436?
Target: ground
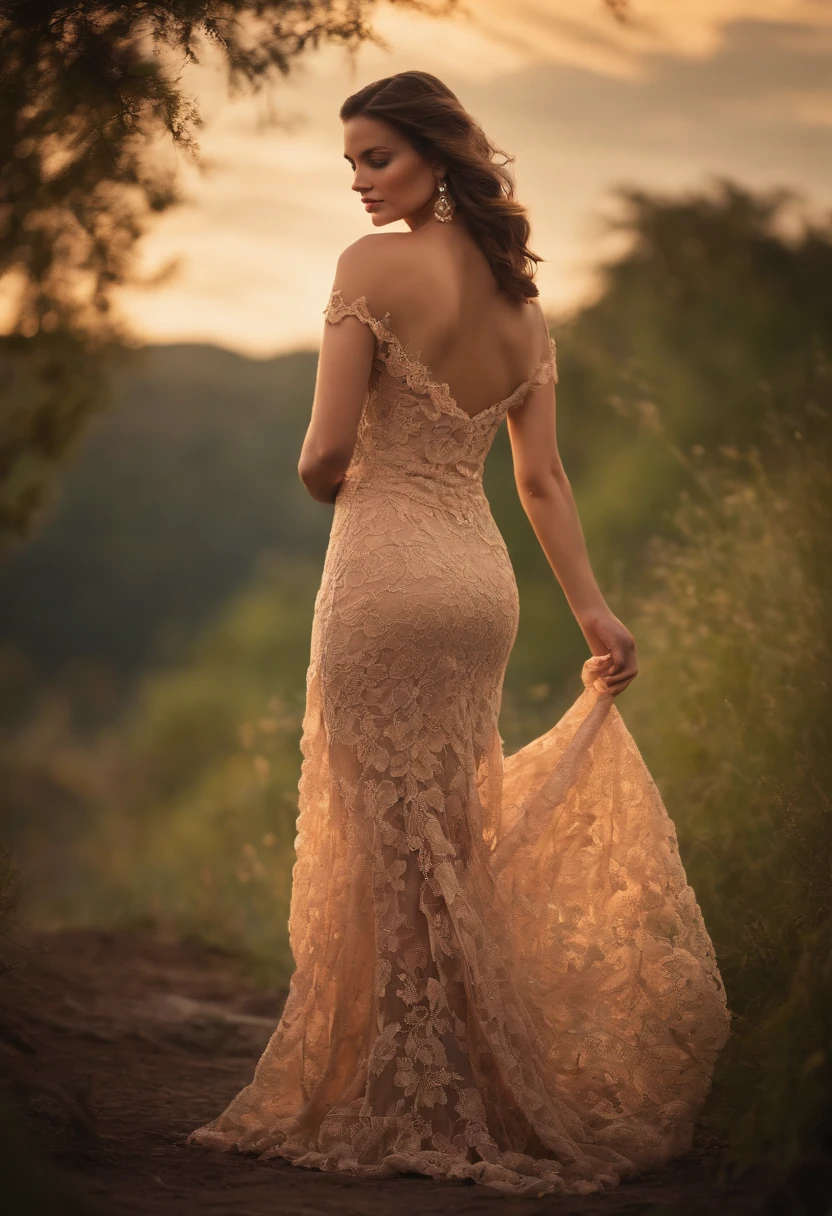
column 116, row 1045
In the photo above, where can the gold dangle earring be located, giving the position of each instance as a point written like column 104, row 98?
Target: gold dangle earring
column 444, row 207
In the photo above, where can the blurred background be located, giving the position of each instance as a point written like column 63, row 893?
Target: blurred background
column 173, row 199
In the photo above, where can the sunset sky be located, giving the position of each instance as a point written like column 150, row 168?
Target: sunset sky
column 686, row 91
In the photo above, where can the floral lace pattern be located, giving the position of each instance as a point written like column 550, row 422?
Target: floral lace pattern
column 501, row 971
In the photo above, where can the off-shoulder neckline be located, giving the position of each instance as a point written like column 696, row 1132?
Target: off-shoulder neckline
column 440, row 392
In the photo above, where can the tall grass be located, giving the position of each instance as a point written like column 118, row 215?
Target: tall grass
column 731, row 711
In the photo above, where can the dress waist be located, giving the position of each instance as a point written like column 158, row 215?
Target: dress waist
column 461, row 496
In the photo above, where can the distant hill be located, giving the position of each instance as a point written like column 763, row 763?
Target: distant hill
column 164, row 508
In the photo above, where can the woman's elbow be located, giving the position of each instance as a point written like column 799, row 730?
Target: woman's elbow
column 323, row 471
column 321, row 488
column 543, row 483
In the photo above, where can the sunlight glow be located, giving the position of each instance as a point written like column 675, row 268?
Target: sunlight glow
column 677, row 92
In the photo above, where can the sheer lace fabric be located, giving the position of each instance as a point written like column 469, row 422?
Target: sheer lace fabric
column 501, row 971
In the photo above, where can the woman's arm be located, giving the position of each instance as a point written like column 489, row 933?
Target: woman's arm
column 546, row 496
column 344, row 366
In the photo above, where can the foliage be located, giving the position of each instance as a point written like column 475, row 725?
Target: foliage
column 718, row 306
column 184, row 817
column 90, row 96
column 731, row 711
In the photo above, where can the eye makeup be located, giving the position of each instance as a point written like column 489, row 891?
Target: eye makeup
column 376, row 158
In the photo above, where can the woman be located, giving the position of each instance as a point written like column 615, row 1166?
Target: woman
column 501, row 972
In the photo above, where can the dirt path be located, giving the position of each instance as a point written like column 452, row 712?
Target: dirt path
column 117, row 1045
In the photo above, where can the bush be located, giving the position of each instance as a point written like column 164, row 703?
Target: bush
column 731, row 710
column 183, row 817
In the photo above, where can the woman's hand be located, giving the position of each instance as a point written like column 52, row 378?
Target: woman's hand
column 607, row 635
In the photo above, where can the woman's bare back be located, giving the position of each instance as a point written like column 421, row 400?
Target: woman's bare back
column 444, row 305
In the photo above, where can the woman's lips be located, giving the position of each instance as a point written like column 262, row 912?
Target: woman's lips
column 371, row 203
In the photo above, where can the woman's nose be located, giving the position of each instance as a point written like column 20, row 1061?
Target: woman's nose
column 360, row 182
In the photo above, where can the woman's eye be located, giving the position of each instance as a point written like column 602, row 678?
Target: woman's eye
column 379, row 164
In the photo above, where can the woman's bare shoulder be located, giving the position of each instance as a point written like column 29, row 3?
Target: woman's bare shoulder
column 539, row 320
column 536, row 313
column 372, row 267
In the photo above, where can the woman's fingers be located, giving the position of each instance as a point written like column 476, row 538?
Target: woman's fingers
column 618, row 681
column 622, row 677
column 621, row 681
column 625, row 671
column 626, row 664
column 620, row 667
column 621, row 670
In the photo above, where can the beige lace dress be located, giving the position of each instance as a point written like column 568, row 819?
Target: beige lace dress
column 501, row 971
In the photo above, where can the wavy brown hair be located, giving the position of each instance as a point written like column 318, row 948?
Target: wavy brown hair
column 435, row 122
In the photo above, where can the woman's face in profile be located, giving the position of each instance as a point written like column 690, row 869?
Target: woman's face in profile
column 391, row 177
